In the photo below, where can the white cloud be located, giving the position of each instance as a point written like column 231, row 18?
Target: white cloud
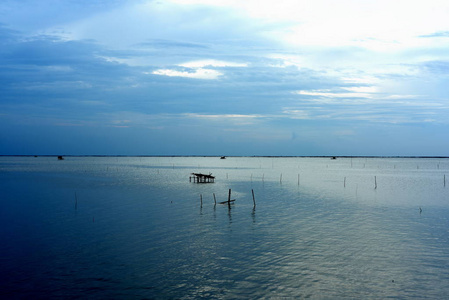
column 296, row 113
column 363, row 95
column 380, row 25
column 221, row 116
column 361, row 89
column 287, row 60
column 329, row 94
column 112, row 59
column 394, row 97
column 363, row 79
column 211, row 63
column 198, row 69
column 197, row 74
column 227, row 119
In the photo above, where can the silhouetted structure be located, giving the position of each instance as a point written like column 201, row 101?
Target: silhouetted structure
column 202, row 178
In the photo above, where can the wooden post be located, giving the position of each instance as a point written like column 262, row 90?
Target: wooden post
column 298, row 179
column 215, row 200
column 254, row 200
column 344, row 182
column 229, row 196
column 375, row 182
column 201, row 199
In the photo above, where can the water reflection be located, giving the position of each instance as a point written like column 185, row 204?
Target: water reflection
column 326, row 233
column 253, row 215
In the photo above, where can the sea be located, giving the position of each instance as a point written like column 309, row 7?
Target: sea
column 300, row 227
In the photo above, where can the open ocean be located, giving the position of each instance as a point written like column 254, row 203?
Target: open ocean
column 135, row 228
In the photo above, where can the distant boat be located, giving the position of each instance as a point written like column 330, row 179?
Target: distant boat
column 333, row 157
column 60, row 157
column 223, row 157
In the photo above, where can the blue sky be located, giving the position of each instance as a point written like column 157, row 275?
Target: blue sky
column 203, row 77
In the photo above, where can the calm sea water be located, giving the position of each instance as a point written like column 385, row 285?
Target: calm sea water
column 135, row 228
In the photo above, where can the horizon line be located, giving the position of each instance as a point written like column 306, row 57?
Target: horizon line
column 199, row 155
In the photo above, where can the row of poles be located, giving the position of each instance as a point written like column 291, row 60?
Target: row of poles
column 344, row 181
column 229, row 201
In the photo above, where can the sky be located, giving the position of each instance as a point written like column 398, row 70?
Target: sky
column 224, row 77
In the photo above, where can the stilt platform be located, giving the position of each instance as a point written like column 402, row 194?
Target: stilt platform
column 202, row 178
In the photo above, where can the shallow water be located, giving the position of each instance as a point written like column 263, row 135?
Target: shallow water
column 134, row 227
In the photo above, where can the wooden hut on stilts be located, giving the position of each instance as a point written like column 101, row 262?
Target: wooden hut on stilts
column 202, row 178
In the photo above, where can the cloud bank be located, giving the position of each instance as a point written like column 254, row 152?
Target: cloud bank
column 224, row 77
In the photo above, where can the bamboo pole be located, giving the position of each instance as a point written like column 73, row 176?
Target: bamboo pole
column 254, row 200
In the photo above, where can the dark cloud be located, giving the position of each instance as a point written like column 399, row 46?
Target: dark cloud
column 47, row 78
column 33, row 15
column 7, row 36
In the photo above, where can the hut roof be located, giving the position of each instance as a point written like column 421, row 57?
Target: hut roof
column 203, row 175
